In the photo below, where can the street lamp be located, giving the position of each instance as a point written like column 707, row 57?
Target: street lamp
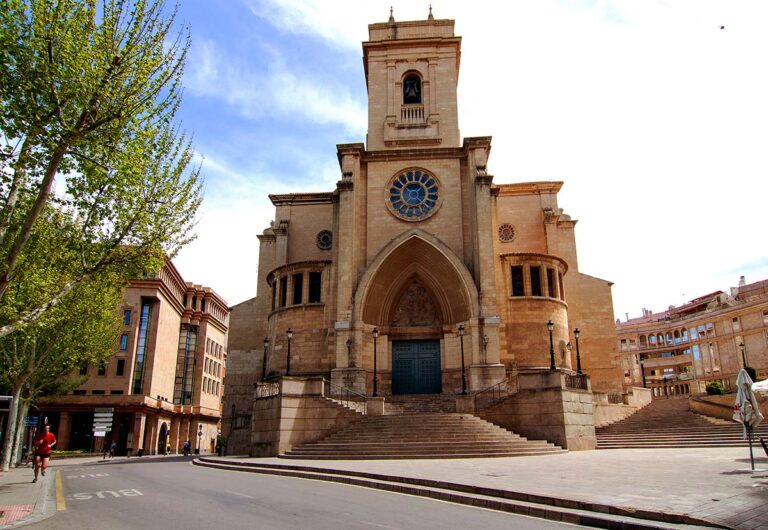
column 375, row 333
column 576, row 334
column 463, row 374
column 642, row 371
column 264, row 360
column 289, row 334
column 743, row 348
column 199, row 438
column 550, row 327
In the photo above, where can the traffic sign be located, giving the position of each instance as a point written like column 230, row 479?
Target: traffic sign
column 31, row 421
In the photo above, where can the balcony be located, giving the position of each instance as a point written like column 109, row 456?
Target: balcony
column 412, row 115
column 675, row 360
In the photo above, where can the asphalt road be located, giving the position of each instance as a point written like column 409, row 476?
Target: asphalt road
column 171, row 493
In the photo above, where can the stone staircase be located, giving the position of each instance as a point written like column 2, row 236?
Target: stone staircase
column 421, row 435
column 669, row 423
column 418, row 403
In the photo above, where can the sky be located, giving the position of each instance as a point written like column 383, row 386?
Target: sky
column 654, row 114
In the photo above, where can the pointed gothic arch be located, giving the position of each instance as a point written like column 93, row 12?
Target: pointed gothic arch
column 421, row 257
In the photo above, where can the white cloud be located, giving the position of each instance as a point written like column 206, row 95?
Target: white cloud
column 277, row 90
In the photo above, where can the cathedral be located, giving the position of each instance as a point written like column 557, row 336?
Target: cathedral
column 418, row 273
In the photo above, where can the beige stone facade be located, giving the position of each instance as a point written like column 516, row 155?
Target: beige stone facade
column 165, row 380
column 680, row 350
column 418, row 243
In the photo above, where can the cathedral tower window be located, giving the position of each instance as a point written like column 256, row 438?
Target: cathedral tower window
column 412, row 89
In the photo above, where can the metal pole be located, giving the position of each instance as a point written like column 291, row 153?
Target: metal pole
column 463, row 373
column 550, row 327
column 375, row 333
column 578, row 355
column 289, row 333
column 264, row 360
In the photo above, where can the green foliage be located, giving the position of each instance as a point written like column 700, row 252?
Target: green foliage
column 714, row 388
column 88, row 95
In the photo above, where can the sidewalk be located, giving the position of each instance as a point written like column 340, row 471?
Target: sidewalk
column 714, row 485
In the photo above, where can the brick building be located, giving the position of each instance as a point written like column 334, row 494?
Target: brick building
column 680, row 350
column 417, row 255
column 165, row 380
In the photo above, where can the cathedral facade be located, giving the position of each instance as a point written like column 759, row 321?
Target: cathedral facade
column 419, row 273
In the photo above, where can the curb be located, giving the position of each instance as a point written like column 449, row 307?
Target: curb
column 551, row 508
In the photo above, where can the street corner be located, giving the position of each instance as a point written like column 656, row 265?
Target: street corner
column 10, row 513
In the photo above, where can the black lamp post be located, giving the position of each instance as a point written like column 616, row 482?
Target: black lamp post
column 289, row 334
column 743, row 348
column 375, row 334
column 199, row 438
column 550, row 327
column 463, row 375
column 642, row 372
column 264, row 360
column 576, row 333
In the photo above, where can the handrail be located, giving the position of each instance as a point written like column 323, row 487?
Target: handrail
column 345, row 396
column 496, row 393
column 576, row 381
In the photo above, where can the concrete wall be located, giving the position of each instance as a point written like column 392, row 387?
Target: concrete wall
column 300, row 414
column 607, row 413
column 544, row 409
column 722, row 406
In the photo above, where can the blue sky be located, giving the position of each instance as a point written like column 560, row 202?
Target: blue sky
column 654, row 117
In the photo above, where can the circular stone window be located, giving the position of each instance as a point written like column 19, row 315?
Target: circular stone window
column 324, row 240
column 506, row 233
column 413, row 195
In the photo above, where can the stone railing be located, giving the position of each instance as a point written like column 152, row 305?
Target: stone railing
column 412, row 114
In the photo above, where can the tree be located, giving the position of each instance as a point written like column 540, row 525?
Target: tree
column 88, row 97
column 97, row 183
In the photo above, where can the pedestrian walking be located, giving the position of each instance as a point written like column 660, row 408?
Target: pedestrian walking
column 43, row 445
column 112, row 449
column 187, row 447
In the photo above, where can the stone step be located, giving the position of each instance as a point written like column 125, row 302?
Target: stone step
column 344, row 456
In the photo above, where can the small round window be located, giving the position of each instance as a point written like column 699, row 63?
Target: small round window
column 413, row 195
column 324, row 240
column 506, row 233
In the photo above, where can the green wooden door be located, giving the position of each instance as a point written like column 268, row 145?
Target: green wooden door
column 416, row 367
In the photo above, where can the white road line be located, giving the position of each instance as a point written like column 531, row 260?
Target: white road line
column 240, row 494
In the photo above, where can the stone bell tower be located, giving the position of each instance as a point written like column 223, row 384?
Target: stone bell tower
column 411, row 71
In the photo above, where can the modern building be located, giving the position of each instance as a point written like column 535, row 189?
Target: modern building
column 418, row 273
column 164, row 382
column 710, row 338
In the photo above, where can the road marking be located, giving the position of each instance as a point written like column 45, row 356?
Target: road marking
column 240, row 494
column 88, row 475
column 61, row 502
column 103, row 494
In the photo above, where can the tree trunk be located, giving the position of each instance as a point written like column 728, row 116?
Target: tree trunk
column 13, row 413
column 18, row 439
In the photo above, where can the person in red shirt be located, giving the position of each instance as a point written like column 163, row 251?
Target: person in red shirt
column 43, row 444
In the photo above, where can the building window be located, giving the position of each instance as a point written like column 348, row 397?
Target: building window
column 102, row 369
column 765, row 318
column 120, row 367
column 324, row 240
column 78, row 392
column 536, row 281
column 315, row 284
column 506, row 233
column 736, row 324
column 141, row 347
column 298, row 288
column 124, row 341
column 83, row 369
column 116, row 392
column 97, row 392
column 518, row 285
column 127, row 317
column 412, row 90
column 186, row 362
column 283, row 292
column 274, row 295
column 551, row 282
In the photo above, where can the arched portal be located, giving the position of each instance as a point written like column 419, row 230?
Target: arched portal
column 415, row 293
column 162, row 439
